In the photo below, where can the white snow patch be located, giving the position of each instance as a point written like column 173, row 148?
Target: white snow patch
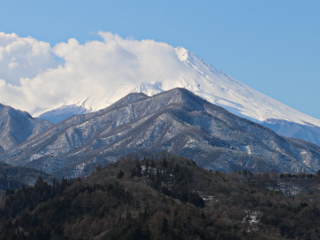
column 248, row 150
column 81, row 166
column 251, row 219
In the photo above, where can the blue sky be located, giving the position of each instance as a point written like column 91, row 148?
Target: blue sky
column 271, row 45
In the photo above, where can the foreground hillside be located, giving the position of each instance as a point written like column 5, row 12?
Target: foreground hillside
column 168, row 198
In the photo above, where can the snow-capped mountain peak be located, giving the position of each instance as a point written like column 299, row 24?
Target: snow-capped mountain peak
column 195, row 74
column 221, row 89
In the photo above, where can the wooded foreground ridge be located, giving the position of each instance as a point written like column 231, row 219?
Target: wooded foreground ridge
column 170, row 198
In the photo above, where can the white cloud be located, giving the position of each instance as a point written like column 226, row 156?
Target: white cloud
column 23, row 57
column 33, row 81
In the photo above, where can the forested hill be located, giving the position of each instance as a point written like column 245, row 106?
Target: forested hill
column 168, row 198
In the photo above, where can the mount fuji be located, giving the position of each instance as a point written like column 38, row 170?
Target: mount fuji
column 209, row 83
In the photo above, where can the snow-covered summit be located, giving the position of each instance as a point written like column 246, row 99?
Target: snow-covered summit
column 221, row 89
column 200, row 77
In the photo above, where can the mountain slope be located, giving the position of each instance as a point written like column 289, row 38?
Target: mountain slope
column 208, row 82
column 17, row 177
column 17, row 126
column 176, row 121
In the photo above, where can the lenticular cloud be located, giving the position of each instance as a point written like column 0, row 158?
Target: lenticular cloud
column 32, row 79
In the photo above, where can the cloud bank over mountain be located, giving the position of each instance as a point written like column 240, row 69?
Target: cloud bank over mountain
column 71, row 78
column 35, row 76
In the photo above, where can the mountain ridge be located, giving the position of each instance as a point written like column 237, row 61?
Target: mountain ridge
column 177, row 121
